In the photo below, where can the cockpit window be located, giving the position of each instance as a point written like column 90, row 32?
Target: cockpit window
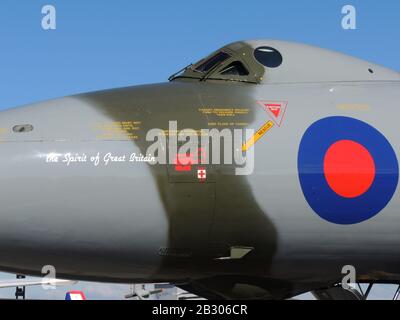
column 233, row 63
column 268, row 57
column 236, row 68
column 212, row 62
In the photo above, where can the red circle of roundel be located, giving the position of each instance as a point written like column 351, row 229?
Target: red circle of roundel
column 349, row 168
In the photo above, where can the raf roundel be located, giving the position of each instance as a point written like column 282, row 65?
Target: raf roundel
column 348, row 170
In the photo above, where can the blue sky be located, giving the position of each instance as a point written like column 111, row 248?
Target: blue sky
column 106, row 44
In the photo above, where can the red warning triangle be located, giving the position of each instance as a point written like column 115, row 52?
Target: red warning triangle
column 275, row 109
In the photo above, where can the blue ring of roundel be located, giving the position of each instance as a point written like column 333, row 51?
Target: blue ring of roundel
column 321, row 198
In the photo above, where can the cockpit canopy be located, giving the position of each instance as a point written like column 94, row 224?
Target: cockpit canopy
column 262, row 61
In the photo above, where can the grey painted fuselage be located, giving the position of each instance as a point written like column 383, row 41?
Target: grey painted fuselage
column 134, row 221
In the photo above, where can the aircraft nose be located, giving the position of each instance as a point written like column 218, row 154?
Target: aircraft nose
column 48, row 207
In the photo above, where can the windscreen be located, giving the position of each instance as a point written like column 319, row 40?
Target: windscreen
column 210, row 63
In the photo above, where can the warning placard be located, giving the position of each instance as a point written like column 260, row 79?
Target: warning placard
column 275, row 109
